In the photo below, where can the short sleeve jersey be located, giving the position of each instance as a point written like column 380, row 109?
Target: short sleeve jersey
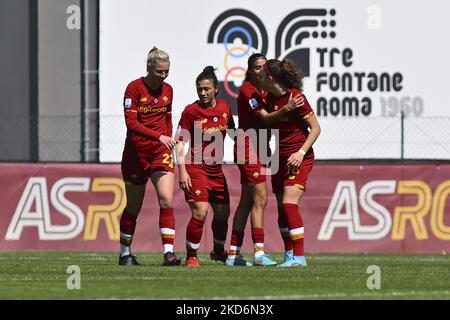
column 250, row 101
column 198, row 122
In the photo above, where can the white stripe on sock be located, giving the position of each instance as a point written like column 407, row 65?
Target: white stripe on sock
column 167, row 231
column 297, row 231
column 194, row 246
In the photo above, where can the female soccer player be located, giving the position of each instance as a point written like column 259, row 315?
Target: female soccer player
column 204, row 124
column 148, row 153
column 253, row 117
column 283, row 80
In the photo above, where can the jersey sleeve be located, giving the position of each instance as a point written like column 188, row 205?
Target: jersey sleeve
column 255, row 102
column 185, row 127
column 306, row 111
column 130, row 104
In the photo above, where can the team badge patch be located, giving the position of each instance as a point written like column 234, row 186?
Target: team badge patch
column 253, row 103
column 127, row 103
column 225, row 116
column 165, row 99
column 256, row 174
column 198, row 192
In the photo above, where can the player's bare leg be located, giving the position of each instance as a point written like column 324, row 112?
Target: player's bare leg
column 259, row 202
column 135, row 197
column 164, row 186
column 239, row 222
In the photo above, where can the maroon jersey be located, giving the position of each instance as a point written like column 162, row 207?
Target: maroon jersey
column 293, row 128
column 196, row 117
column 250, row 101
column 148, row 115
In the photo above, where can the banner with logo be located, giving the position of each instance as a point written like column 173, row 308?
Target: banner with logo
column 346, row 208
column 364, row 63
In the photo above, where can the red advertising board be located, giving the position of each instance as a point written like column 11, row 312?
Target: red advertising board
column 347, row 208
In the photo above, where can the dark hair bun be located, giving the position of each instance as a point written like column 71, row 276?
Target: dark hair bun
column 209, row 69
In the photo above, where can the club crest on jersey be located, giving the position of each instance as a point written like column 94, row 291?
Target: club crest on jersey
column 198, row 192
column 275, row 108
column 165, row 99
column 225, row 116
column 127, row 103
column 253, row 103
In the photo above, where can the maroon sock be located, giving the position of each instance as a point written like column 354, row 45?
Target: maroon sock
column 284, row 229
column 258, row 239
column 237, row 238
column 296, row 230
column 194, row 233
column 127, row 227
column 219, row 229
column 167, row 225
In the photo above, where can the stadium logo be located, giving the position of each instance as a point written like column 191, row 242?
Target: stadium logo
column 343, row 211
column 303, row 37
column 33, row 209
column 242, row 33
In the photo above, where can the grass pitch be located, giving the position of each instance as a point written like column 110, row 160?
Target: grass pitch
column 26, row 275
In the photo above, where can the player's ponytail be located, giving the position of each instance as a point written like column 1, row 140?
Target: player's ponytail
column 156, row 55
column 209, row 73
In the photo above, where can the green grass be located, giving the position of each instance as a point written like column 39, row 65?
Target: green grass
column 328, row 276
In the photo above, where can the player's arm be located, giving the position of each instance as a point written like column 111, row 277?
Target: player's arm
column 297, row 158
column 182, row 136
column 271, row 118
column 184, row 178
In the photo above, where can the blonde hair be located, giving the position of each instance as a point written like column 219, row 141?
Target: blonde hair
column 154, row 55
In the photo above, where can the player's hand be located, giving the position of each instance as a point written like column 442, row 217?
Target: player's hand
column 167, row 141
column 295, row 102
column 295, row 159
column 185, row 181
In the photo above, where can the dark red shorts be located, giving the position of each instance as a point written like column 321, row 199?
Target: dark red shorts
column 292, row 176
column 248, row 163
column 252, row 173
column 136, row 170
column 207, row 185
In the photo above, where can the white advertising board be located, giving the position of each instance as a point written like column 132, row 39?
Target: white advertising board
column 363, row 61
